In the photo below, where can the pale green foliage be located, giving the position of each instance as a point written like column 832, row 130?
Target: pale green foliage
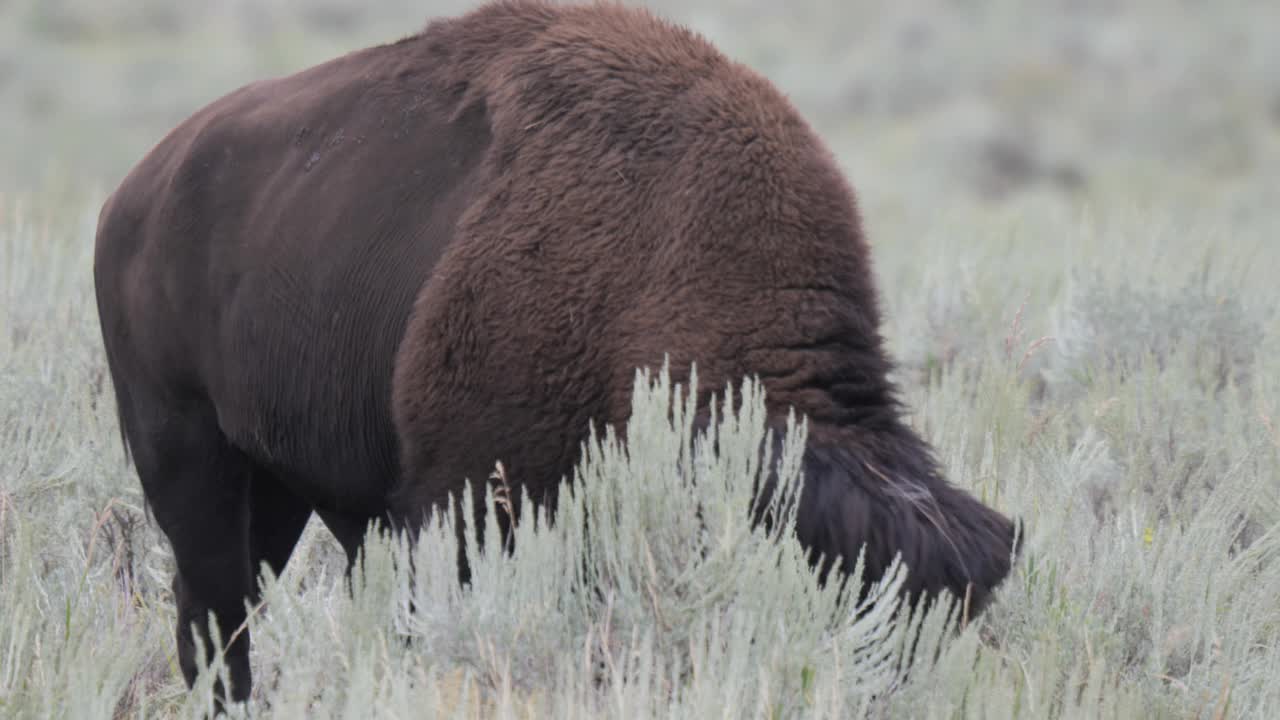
column 669, row 599
column 1147, row 585
column 665, row 602
column 1098, row 355
column 1118, row 327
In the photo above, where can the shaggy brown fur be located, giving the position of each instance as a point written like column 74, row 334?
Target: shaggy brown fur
column 347, row 290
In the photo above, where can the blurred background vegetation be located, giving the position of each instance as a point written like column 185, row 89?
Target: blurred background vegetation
column 991, row 98
column 1024, row 110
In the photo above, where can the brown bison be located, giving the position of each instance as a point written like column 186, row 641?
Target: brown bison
column 347, row 290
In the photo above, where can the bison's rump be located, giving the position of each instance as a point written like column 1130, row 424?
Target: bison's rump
column 267, row 253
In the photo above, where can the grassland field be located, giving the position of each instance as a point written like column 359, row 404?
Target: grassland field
column 1074, row 209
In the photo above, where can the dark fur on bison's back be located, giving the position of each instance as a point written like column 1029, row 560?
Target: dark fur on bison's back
column 349, row 289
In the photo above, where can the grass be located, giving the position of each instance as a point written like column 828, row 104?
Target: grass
column 1072, row 216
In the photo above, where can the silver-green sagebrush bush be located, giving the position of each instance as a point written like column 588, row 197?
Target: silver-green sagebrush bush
column 652, row 592
column 650, row 595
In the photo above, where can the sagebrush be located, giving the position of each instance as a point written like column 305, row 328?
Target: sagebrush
column 1071, row 208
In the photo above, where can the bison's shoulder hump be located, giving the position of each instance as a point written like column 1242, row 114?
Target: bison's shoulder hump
column 608, row 67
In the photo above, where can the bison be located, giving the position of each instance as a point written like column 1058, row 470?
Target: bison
column 347, row 290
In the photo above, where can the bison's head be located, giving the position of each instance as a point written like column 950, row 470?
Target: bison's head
column 883, row 491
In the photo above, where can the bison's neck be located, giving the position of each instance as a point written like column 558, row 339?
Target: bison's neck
column 837, row 388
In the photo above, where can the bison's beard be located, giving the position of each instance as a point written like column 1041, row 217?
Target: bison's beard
column 885, row 493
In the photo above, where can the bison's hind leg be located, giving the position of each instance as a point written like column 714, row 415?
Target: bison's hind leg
column 223, row 516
